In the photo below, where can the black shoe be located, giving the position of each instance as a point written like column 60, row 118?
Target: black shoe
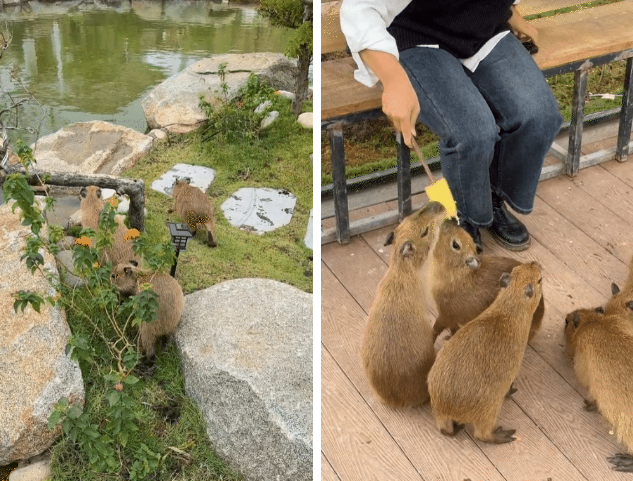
column 473, row 231
column 506, row 228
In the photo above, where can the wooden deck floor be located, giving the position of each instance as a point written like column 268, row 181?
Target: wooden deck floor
column 582, row 234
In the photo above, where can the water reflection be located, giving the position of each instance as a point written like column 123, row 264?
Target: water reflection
column 85, row 60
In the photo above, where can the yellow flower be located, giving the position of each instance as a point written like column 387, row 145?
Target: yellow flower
column 132, row 234
column 97, row 265
column 83, row 241
column 114, row 202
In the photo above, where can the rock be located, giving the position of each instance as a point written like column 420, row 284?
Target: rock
column 173, row 105
column 67, row 266
column 246, row 348
column 308, row 239
column 269, row 119
column 36, row 371
column 263, row 106
column 285, row 94
column 158, row 135
column 259, row 210
column 305, row 119
column 94, row 147
column 39, row 471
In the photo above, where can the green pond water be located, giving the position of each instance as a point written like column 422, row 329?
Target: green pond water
column 84, row 60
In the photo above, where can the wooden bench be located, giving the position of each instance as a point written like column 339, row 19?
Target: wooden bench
column 570, row 42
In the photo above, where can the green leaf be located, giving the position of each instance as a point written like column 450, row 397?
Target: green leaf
column 54, row 419
column 131, row 380
column 74, row 412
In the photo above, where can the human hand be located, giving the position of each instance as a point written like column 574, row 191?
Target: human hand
column 399, row 100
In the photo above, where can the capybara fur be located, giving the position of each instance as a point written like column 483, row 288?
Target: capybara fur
column 171, row 302
column 121, row 250
column 195, row 208
column 91, row 206
column 464, row 284
column 397, row 350
column 414, row 225
column 475, row 368
column 601, row 346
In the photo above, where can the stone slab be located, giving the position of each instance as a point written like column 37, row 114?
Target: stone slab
column 259, row 210
column 308, row 240
column 201, row 177
column 247, row 362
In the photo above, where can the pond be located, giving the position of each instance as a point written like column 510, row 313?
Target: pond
column 85, row 60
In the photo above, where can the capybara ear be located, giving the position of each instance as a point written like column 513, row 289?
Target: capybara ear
column 473, row 263
column 389, row 239
column 599, row 310
column 133, row 262
column 407, row 249
column 614, row 288
column 83, row 192
column 99, row 192
column 529, row 291
column 576, row 319
column 629, row 305
column 188, row 180
column 425, row 233
column 505, row 279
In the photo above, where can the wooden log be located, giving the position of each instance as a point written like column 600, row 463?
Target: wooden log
column 134, row 188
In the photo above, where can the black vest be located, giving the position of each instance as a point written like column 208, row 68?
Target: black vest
column 460, row 27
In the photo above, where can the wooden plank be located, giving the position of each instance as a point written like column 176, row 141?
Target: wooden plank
column 352, row 437
column 434, row 455
column 584, row 34
column 332, row 38
column 622, row 171
column 341, row 94
column 362, row 275
column 600, row 223
column 327, row 471
column 575, row 248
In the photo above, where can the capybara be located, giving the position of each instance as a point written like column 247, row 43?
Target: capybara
column 195, row 208
column 171, row 301
column 415, row 224
column 121, row 250
column 398, row 350
column 601, row 346
column 475, row 368
column 91, row 206
column 464, row 284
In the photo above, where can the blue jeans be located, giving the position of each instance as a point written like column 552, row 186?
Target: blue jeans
column 495, row 125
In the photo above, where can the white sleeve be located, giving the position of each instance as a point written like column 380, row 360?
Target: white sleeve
column 364, row 24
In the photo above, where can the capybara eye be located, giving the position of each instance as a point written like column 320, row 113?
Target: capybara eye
column 426, row 231
column 629, row 305
column 456, row 245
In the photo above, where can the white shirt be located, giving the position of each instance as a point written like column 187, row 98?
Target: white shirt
column 364, row 24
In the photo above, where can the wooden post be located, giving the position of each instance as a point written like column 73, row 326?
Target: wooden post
column 134, row 188
column 626, row 114
column 339, row 183
column 577, row 113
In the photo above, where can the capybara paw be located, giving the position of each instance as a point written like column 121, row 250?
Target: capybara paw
column 504, row 436
column 590, row 406
column 621, row 462
column 511, row 391
column 455, row 429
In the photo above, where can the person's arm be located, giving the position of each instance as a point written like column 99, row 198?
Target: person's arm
column 399, row 100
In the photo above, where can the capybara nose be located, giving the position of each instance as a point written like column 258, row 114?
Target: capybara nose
column 473, row 263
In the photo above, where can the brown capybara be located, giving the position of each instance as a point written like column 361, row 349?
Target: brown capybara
column 91, row 206
column 171, row 302
column 464, row 284
column 397, row 350
column 601, row 346
column 195, row 208
column 415, row 224
column 121, row 250
column 476, row 367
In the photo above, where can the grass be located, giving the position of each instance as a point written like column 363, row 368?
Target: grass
column 370, row 145
column 169, row 422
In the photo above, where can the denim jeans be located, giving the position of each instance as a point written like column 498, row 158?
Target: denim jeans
column 495, row 125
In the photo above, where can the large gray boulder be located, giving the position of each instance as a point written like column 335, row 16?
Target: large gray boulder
column 246, row 347
column 36, row 372
column 173, row 105
column 93, row 147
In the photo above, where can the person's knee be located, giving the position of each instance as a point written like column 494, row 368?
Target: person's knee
column 542, row 117
column 474, row 141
